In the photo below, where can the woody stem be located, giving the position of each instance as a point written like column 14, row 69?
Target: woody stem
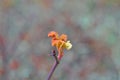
column 54, row 66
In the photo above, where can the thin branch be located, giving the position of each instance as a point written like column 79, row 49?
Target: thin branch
column 54, row 65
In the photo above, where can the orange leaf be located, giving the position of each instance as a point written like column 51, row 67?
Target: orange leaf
column 63, row 37
column 53, row 34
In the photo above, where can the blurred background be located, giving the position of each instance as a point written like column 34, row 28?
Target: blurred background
column 92, row 27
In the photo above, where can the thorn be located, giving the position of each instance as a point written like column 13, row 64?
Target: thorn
column 52, row 53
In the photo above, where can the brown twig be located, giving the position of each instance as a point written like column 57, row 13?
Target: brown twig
column 54, row 65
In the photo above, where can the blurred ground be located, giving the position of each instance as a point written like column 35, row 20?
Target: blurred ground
column 91, row 25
